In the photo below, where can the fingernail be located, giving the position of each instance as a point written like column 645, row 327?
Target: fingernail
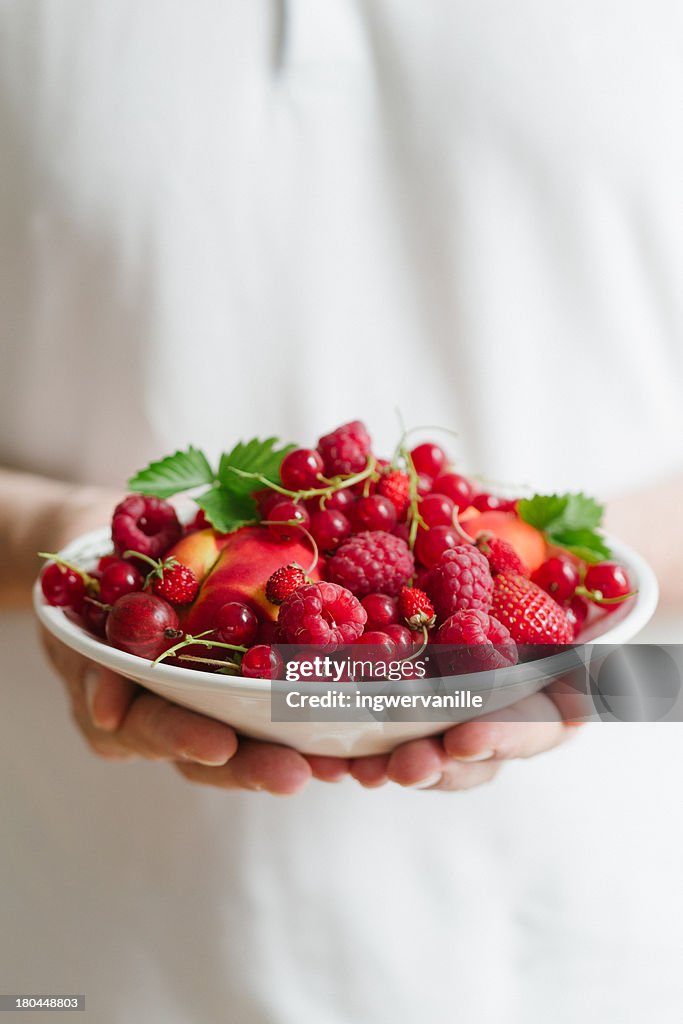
column 483, row 755
column 207, row 762
column 431, row 780
column 91, row 681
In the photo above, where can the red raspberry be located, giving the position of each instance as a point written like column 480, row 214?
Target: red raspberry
column 147, row 525
column 284, row 582
column 321, row 613
column 177, row 583
column 481, row 643
column 531, row 615
column 372, row 561
column 415, row 607
column 462, row 579
column 345, row 450
column 502, row 557
column 396, row 487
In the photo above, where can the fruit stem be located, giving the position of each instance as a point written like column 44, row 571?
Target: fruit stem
column 339, row 483
column 188, row 640
column 596, row 596
column 309, row 537
column 90, row 581
column 207, row 661
column 421, row 648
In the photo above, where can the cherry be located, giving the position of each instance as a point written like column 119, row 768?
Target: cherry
column 492, row 503
column 577, row 613
column 437, row 510
column 558, row 577
column 403, row 638
column 431, row 544
column 456, row 487
column 607, row 581
column 62, row 586
column 266, row 499
column 424, row 484
column 94, row 615
column 385, row 648
column 429, row 459
column 142, row 624
column 374, row 513
column 236, row 623
column 341, row 500
column 282, row 513
column 107, row 560
column 301, row 469
column 382, row 610
column 329, row 528
column 402, row 530
column 262, row 662
column 117, row 579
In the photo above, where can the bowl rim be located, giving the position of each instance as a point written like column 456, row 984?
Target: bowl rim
column 95, row 542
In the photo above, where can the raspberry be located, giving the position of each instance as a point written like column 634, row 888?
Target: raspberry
column 345, row 450
column 321, row 613
column 396, row 487
column 481, row 643
column 531, row 615
column 372, row 561
column 462, row 579
column 501, row 556
column 415, row 607
column 284, row 582
column 147, row 525
column 177, row 583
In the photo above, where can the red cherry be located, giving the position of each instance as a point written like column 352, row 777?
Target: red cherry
column 382, row 610
column 282, row 513
column 266, row 499
column 142, row 624
column 107, row 560
column 492, row 503
column 558, row 577
column 429, row 459
column 385, row 649
column 373, row 513
column 262, row 662
column 94, row 617
column 62, row 587
column 341, row 500
column 437, row 510
column 329, row 528
column 607, row 580
column 424, row 484
column 301, row 469
column 119, row 578
column 236, row 624
column 577, row 613
column 403, row 638
column 431, row 544
column 456, row 487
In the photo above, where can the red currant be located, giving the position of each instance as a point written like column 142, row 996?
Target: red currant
column 262, row 662
column 431, row 544
column 429, row 459
column 236, row 624
column 142, row 624
column 424, row 484
column 577, row 613
column 341, row 500
column 607, row 580
column 62, row 586
column 373, row 513
column 402, row 530
column 329, row 528
column 558, row 577
column 107, row 560
column 266, row 499
column 382, row 610
column 456, row 487
column 119, row 578
column 385, row 648
column 437, row 510
column 492, row 503
column 94, row 617
column 301, row 469
column 283, row 513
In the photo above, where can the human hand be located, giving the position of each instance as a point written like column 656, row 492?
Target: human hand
column 120, row 720
column 470, row 754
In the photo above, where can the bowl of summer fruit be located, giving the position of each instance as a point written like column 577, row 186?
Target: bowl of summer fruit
column 333, row 549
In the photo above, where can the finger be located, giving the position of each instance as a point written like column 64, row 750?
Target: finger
column 370, row 771
column 419, row 763
column 155, row 728
column 256, row 766
column 534, row 726
column 457, row 777
column 108, row 697
column 328, row 769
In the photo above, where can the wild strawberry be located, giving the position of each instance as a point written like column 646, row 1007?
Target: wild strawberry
column 415, row 607
column 395, row 486
column 531, row 615
column 502, row 557
column 284, row 582
column 177, row 583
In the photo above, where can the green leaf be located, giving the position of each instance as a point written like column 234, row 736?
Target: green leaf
column 175, row 473
column 227, row 511
column 542, row 509
column 582, row 512
column 568, row 521
column 254, row 457
column 585, row 544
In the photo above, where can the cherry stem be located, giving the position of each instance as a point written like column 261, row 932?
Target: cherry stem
column 460, row 529
column 421, row 648
column 596, row 596
column 189, row 640
column 90, row 581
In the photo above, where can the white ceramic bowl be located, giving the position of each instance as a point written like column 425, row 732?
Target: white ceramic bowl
column 246, row 703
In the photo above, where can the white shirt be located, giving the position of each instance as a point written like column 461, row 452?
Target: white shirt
column 223, row 220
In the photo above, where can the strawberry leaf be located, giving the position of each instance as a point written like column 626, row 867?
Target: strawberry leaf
column 175, row 473
column 568, row 521
column 542, row 509
column 227, row 511
column 260, row 460
column 585, row 544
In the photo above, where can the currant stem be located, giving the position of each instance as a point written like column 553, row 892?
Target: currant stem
column 90, row 581
column 338, row 483
column 309, row 537
column 596, row 596
column 207, row 661
column 189, row 640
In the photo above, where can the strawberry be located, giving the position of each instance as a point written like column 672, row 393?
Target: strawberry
column 176, row 583
column 529, row 613
column 395, row 486
column 415, row 607
column 284, row 582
